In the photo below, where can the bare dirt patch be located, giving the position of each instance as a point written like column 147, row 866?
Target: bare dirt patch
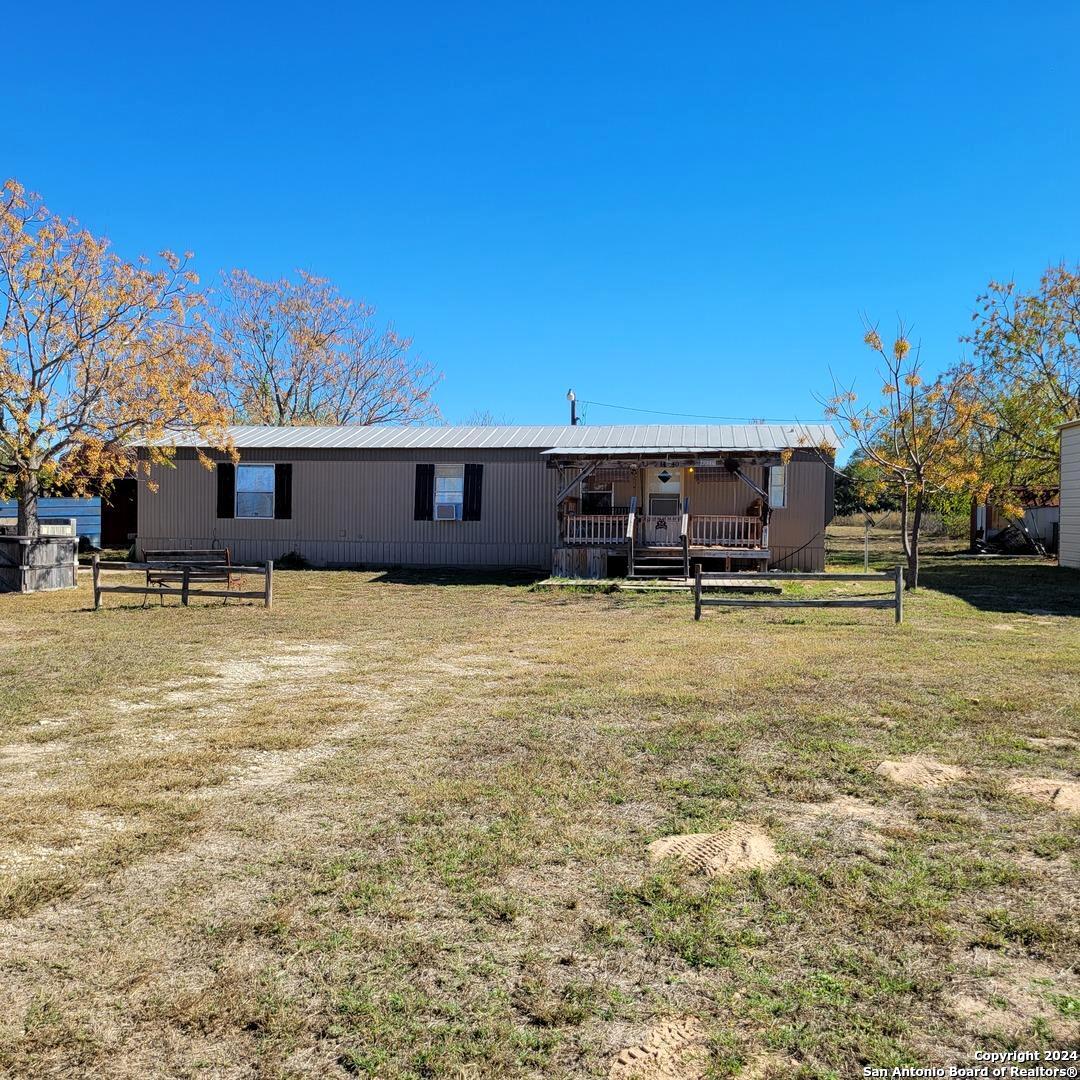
column 769, row 1067
column 848, row 808
column 20, row 763
column 87, row 829
column 1058, row 794
column 1009, row 996
column 885, row 723
column 1050, row 742
column 224, row 683
column 675, row 1050
column 459, row 663
column 920, row 772
column 742, row 847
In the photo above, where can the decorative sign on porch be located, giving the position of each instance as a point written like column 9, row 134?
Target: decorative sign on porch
column 663, row 476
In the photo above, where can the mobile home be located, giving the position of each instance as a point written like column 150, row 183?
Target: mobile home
column 578, row 499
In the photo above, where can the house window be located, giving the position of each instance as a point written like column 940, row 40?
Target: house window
column 778, row 487
column 449, row 492
column 663, row 505
column 597, row 498
column 255, row 491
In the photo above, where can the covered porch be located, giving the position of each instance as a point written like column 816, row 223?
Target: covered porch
column 663, row 513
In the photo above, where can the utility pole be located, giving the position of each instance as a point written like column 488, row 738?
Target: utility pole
column 572, row 398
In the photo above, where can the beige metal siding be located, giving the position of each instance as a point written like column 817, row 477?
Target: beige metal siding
column 796, row 531
column 1069, row 538
column 728, row 495
column 356, row 507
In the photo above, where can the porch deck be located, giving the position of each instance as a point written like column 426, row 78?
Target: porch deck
column 665, row 546
column 712, row 534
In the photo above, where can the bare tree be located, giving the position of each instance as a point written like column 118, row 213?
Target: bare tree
column 298, row 352
column 486, row 418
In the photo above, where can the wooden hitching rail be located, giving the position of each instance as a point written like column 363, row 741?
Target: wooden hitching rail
column 894, row 601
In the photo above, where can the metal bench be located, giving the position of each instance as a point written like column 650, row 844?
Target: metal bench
column 197, row 565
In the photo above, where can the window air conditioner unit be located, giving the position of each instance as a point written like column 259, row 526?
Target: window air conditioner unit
column 445, row 512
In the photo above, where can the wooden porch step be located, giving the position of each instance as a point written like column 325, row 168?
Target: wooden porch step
column 669, row 568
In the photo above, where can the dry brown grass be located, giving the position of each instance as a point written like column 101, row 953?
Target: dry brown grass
column 394, row 828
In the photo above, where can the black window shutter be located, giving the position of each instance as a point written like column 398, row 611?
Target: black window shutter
column 424, row 500
column 283, row 491
column 474, row 486
column 226, row 489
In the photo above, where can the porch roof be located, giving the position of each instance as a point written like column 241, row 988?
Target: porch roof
column 616, row 452
column 618, row 439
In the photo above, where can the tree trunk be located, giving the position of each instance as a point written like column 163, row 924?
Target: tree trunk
column 28, row 491
column 905, row 538
column 913, row 549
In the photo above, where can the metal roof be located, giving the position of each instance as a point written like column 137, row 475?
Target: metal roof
column 598, row 438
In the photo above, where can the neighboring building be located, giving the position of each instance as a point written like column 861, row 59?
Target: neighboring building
column 582, row 499
column 85, row 512
column 107, row 521
column 1039, row 521
column 1069, row 536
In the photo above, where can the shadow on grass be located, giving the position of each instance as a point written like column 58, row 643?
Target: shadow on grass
column 1025, row 586
column 451, row 575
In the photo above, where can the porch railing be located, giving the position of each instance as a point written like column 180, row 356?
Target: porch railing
column 701, row 530
column 724, row 530
column 595, row 528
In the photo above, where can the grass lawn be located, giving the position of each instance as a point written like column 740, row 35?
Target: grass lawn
column 398, row 827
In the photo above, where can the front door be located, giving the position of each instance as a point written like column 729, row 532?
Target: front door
column 663, row 506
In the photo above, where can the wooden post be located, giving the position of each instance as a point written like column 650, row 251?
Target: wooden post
column 185, row 585
column 97, row 579
column 268, row 595
column 899, row 594
column 866, row 548
column 686, row 537
column 697, row 593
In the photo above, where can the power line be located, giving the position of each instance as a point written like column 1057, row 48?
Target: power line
column 693, row 416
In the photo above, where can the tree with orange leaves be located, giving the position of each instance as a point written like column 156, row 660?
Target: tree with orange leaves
column 298, row 352
column 95, row 352
column 1025, row 376
column 918, row 434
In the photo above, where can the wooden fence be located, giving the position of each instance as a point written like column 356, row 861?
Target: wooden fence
column 181, row 588
column 893, row 599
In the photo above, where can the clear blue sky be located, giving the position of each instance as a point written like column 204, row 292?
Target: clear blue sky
column 682, row 207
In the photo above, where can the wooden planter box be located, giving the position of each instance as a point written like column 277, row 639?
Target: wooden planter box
column 37, row 563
